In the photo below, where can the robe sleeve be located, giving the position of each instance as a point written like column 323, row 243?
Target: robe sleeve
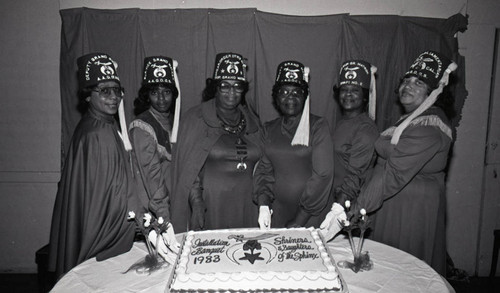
column 151, row 171
column 315, row 195
column 362, row 157
column 416, row 147
column 263, row 179
column 190, row 153
column 197, row 204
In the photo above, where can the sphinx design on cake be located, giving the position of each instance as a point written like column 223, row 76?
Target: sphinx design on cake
column 251, row 259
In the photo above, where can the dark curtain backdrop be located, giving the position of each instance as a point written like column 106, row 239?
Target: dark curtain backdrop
column 194, row 36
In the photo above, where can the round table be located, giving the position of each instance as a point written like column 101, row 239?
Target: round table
column 393, row 271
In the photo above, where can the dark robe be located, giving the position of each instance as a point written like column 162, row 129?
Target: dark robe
column 95, row 193
column 291, row 177
column 354, row 153
column 201, row 140
column 406, row 189
column 353, row 157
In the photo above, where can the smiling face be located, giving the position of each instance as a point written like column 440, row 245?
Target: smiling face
column 412, row 92
column 161, row 98
column 229, row 94
column 104, row 98
column 290, row 100
column 351, row 98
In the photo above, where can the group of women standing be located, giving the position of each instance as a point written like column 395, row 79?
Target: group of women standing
column 226, row 170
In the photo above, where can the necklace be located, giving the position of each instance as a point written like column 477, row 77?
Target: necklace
column 233, row 129
column 241, row 154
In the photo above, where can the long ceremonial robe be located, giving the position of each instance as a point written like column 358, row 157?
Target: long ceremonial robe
column 407, row 188
column 199, row 131
column 291, row 177
column 152, row 151
column 94, row 196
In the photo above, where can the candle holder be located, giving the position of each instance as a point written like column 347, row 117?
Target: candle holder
column 359, row 221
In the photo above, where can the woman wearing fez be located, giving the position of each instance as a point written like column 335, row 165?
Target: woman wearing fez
column 354, row 135
column 407, row 188
column 217, row 150
column 294, row 176
column 151, row 135
column 96, row 190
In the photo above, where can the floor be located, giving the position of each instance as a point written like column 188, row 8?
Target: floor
column 477, row 285
column 28, row 283
column 17, row 283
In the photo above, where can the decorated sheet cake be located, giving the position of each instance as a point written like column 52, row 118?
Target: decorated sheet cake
column 243, row 260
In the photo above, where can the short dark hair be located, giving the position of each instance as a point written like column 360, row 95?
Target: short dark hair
column 83, row 94
column 142, row 102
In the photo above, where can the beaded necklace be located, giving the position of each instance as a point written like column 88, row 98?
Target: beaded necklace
column 237, row 129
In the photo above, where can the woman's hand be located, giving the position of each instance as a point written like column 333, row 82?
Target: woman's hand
column 331, row 225
column 170, row 239
column 169, row 255
column 265, row 217
column 198, row 207
column 197, row 222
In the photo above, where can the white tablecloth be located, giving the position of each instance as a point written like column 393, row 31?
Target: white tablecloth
column 393, row 271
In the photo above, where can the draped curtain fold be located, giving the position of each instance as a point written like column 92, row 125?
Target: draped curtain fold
column 194, row 36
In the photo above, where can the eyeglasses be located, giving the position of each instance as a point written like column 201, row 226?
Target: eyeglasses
column 282, row 92
column 106, row 92
column 225, row 87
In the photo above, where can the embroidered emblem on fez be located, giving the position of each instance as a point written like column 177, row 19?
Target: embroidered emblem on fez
column 291, row 74
column 232, row 66
column 351, row 73
column 159, row 70
column 420, row 63
column 106, row 68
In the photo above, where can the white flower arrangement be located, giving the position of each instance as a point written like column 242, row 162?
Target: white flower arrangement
column 153, row 261
column 360, row 221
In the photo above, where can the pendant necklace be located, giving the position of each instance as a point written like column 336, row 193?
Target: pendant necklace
column 240, row 144
column 241, row 152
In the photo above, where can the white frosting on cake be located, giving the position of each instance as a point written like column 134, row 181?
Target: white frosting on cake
column 252, row 259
